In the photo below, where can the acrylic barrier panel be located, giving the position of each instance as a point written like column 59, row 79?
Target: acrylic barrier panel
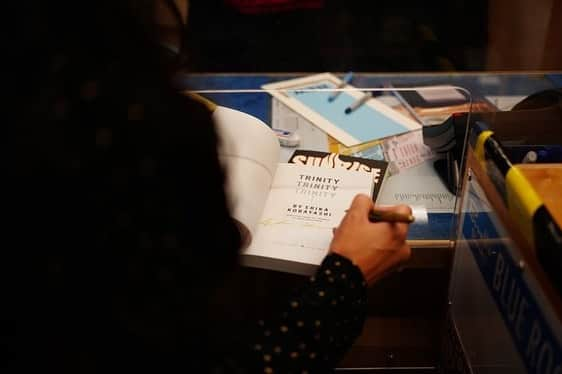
column 416, row 133
column 504, row 320
column 478, row 258
column 505, row 289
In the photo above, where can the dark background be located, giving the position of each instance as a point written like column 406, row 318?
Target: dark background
column 373, row 35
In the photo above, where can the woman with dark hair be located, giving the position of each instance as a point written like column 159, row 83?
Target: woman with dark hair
column 117, row 259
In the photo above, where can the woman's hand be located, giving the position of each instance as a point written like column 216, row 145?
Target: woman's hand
column 376, row 248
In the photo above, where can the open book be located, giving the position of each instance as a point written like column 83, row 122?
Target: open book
column 286, row 211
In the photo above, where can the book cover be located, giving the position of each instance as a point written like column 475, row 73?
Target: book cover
column 377, row 168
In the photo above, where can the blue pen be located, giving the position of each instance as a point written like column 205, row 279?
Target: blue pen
column 357, row 103
column 406, row 105
column 346, row 80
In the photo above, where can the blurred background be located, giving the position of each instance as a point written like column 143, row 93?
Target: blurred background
column 374, row 35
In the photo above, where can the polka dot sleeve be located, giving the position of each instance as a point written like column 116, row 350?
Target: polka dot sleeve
column 318, row 325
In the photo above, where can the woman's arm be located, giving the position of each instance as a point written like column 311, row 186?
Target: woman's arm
column 318, row 324
column 322, row 320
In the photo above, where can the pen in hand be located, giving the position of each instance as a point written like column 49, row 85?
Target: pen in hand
column 386, row 216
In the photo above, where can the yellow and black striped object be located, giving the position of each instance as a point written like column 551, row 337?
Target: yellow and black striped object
column 525, row 206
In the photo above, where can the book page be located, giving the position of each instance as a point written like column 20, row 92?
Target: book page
column 304, row 205
column 249, row 151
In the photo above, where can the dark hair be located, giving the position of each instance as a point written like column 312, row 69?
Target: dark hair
column 102, row 279
column 53, row 37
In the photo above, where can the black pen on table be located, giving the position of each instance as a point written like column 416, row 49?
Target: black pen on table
column 387, row 216
column 376, row 215
column 356, row 104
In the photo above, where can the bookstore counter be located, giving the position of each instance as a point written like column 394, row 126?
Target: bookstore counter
column 482, row 292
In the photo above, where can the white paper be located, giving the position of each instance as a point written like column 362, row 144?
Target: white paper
column 427, row 191
column 437, row 94
column 406, row 151
column 505, row 103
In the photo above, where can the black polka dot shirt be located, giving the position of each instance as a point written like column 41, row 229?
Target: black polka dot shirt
column 318, row 324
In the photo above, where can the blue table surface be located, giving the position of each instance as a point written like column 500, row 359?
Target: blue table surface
column 439, row 225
